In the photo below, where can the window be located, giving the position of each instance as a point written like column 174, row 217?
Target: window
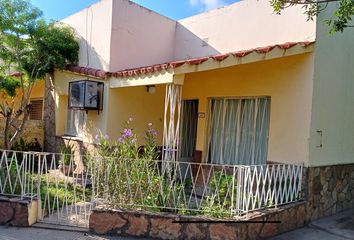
column 238, row 130
column 75, row 122
column 36, row 112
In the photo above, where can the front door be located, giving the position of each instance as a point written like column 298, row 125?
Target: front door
column 189, row 129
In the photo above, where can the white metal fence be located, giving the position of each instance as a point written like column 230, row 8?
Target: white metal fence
column 68, row 195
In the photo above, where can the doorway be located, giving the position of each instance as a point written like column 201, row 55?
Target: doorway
column 189, row 129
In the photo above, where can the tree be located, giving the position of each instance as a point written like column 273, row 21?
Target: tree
column 341, row 17
column 30, row 48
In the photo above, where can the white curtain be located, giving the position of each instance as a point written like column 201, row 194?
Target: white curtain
column 75, row 122
column 238, row 131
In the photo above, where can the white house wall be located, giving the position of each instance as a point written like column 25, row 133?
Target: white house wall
column 93, row 26
column 333, row 96
column 140, row 37
column 243, row 25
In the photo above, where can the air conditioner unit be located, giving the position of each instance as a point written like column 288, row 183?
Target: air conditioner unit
column 86, row 95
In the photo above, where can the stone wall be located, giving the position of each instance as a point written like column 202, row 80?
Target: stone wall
column 105, row 220
column 18, row 212
column 33, row 129
column 330, row 190
column 79, row 148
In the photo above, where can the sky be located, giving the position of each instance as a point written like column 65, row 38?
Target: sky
column 175, row 9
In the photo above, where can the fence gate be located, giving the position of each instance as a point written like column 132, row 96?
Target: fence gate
column 65, row 192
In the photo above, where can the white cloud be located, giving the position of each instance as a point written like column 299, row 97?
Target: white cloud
column 205, row 5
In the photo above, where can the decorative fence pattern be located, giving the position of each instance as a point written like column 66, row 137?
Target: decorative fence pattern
column 67, row 197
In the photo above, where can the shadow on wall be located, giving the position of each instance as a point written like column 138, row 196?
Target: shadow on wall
column 89, row 57
column 188, row 45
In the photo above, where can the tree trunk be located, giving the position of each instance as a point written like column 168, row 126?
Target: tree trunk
column 7, row 143
column 49, row 115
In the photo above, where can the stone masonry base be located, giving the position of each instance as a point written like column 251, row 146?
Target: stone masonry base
column 123, row 222
column 17, row 212
column 330, row 189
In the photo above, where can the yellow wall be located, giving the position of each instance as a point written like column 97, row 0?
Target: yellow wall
column 37, row 91
column 288, row 81
column 94, row 120
column 137, row 103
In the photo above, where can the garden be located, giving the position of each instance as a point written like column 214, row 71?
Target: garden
column 128, row 173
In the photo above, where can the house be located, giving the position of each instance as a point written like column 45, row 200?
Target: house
column 235, row 85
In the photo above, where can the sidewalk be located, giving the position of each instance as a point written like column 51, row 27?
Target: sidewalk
column 336, row 227
column 33, row 233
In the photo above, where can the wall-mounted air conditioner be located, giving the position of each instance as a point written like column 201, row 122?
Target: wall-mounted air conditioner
column 86, row 95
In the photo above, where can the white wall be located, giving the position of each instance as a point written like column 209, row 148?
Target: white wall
column 333, row 96
column 140, row 37
column 119, row 34
column 93, row 26
column 243, row 25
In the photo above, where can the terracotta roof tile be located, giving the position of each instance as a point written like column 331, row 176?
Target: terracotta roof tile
column 176, row 64
column 89, row 71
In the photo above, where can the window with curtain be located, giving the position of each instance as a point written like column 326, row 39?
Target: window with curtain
column 238, row 130
column 75, row 122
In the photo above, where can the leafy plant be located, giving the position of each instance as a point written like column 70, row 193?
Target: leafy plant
column 66, row 154
column 218, row 202
column 22, row 145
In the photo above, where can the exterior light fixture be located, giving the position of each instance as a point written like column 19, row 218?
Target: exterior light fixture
column 86, row 95
column 151, row 89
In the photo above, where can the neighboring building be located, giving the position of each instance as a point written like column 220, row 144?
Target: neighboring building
column 255, row 87
column 34, row 128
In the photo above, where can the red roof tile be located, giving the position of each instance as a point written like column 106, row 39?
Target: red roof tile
column 176, row 64
column 89, row 71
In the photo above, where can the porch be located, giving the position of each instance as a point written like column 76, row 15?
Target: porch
column 248, row 114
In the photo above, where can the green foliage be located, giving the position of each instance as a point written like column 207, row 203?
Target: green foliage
column 10, row 181
column 66, row 152
column 9, row 85
column 125, row 172
column 342, row 16
column 340, row 19
column 218, row 202
column 32, row 46
column 60, row 193
column 25, row 146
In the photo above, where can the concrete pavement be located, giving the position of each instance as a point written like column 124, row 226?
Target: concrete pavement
column 34, row 233
column 336, row 227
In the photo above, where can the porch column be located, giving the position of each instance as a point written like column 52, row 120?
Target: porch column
column 172, row 122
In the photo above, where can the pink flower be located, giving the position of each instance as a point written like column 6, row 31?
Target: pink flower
column 130, row 119
column 150, row 124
